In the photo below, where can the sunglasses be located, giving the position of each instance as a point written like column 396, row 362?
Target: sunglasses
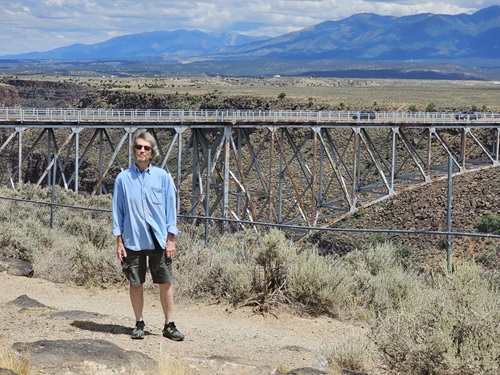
column 140, row 147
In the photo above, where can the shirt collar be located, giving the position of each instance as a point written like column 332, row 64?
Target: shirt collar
column 136, row 169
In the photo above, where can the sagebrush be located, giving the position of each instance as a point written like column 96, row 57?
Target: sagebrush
column 420, row 322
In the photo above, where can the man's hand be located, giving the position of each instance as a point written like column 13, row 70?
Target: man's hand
column 170, row 247
column 121, row 253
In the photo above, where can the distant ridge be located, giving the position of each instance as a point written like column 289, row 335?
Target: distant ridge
column 170, row 45
column 363, row 36
column 368, row 36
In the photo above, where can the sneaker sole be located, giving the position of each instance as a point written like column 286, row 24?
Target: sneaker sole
column 174, row 338
column 137, row 336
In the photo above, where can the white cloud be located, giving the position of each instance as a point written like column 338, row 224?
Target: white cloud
column 34, row 25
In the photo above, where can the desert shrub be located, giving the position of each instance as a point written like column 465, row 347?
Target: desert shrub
column 353, row 354
column 374, row 259
column 449, row 326
column 378, row 238
column 489, row 223
column 33, row 192
column 95, row 266
column 100, row 201
column 221, row 271
column 59, row 256
column 237, row 282
column 17, row 211
column 431, row 107
column 25, row 234
column 89, row 229
column 380, row 283
column 191, row 265
column 272, row 259
column 8, row 210
column 403, row 252
column 19, row 239
column 318, row 284
column 490, row 259
column 359, row 213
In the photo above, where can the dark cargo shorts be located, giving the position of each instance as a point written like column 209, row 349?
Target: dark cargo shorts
column 136, row 263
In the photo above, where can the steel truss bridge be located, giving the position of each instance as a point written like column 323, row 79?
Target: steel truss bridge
column 300, row 168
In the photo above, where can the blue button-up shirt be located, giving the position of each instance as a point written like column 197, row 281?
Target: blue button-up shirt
column 142, row 200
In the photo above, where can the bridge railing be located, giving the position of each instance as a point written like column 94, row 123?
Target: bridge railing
column 179, row 116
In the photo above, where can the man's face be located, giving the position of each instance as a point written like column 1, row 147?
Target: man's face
column 142, row 151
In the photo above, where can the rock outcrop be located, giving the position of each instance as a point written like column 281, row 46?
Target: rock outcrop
column 9, row 96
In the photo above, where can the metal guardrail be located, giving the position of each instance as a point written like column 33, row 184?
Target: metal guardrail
column 180, row 116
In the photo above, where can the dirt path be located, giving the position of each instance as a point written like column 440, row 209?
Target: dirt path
column 219, row 340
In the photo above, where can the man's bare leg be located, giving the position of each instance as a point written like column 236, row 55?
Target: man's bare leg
column 170, row 331
column 167, row 301
column 137, row 299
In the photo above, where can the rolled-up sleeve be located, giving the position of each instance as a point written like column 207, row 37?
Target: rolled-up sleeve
column 117, row 208
column 171, row 206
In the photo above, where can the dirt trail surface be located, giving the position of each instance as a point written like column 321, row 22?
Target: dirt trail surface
column 76, row 330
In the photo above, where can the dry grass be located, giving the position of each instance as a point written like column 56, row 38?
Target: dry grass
column 169, row 366
column 354, row 354
column 17, row 363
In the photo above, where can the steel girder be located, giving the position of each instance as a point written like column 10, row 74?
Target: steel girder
column 308, row 175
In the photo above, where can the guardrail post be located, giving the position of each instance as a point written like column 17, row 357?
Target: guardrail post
column 53, row 193
column 448, row 216
column 207, row 195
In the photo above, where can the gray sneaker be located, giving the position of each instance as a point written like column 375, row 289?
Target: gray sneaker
column 172, row 333
column 138, row 332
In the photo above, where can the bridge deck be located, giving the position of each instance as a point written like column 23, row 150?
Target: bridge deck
column 207, row 118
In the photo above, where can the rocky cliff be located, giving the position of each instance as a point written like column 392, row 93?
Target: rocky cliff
column 9, row 96
column 40, row 94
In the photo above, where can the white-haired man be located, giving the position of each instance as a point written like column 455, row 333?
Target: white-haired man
column 144, row 222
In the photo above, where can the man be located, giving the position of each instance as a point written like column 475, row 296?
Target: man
column 144, row 222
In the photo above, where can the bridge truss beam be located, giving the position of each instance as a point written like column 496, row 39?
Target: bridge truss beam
column 305, row 175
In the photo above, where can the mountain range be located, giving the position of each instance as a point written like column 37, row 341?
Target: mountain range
column 363, row 36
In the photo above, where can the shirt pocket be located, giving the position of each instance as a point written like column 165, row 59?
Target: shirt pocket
column 156, row 195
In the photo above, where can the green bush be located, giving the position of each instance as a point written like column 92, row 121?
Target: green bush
column 489, row 223
column 359, row 213
column 431, row 107
column 378, row 238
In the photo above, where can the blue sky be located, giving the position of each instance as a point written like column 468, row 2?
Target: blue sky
column 41, row 25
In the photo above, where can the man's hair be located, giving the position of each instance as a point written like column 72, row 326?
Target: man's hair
column 148, row 137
